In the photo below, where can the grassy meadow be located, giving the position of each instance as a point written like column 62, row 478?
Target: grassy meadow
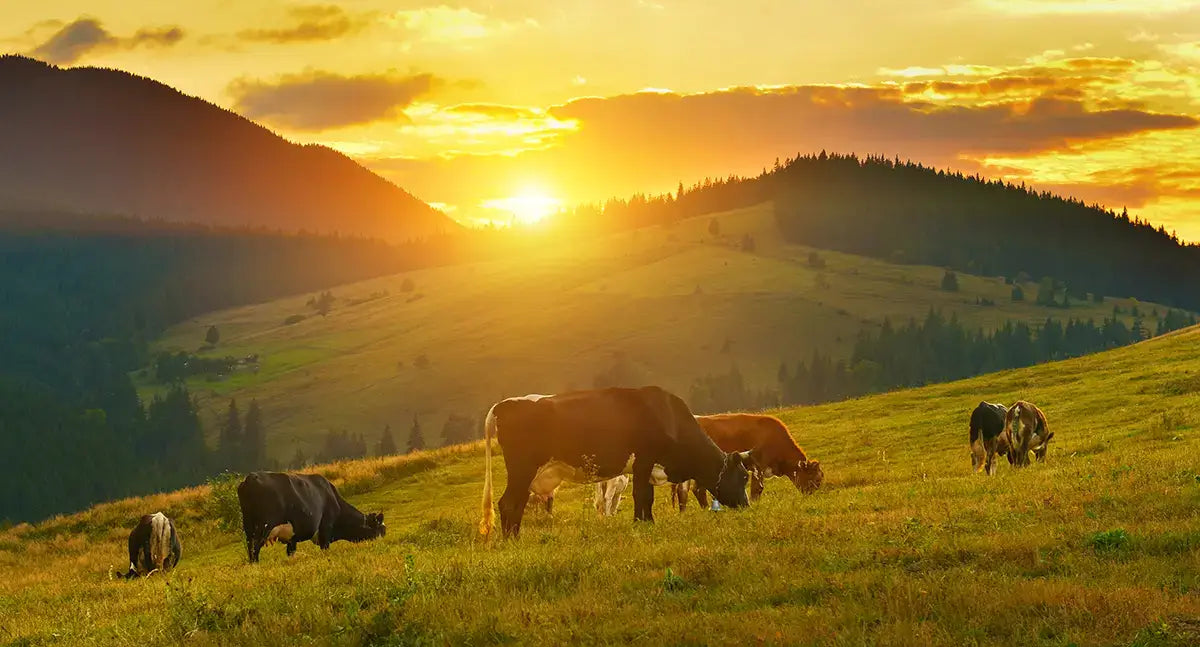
column 676, row 303
column 902, row 546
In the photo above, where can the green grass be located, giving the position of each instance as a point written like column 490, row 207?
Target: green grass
column 677, row 303
column 902, row 546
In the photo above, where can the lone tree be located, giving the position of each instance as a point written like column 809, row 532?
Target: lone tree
column 229, row 441
column 387, row 443
column 254, row 440
column 950, row 281
column 714, row 227
column 212, row 336
column 416, row 440
column 1017, row 293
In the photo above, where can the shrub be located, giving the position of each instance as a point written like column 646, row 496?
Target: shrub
column 950, row 281
column 714, row 227
column 1110, row 540
column 222, row 504
column 293, row 319
column 815, row 261
column 407, row 285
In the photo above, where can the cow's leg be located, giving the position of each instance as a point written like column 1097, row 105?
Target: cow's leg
column 756, row 484
column 701, row 497
column 516, row 495
column 550, row 503
column 643, row 491
column 291, row 546
column 989, row 446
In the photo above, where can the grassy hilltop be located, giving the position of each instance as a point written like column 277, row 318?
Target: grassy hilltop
column 903, row 545
column 676, row 303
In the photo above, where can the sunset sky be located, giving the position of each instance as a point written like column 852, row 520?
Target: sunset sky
column 481, row 108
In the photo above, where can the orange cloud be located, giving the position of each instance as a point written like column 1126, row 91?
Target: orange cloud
column 84, row 35
column 312, row 23
column 321, row 100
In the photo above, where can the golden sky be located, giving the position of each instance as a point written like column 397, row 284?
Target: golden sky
column 477, row 106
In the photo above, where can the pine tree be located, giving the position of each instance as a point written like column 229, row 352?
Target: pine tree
column 212, row 336
column 229, row 441
column 254, row 440
column 416, row 440
column 387, row 443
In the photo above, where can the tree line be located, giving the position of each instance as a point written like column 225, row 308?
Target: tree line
column 340, row 445
column 906, row 212
column 80, row 297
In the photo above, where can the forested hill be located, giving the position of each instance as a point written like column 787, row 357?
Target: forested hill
column 909, row 213
column 80, row 297
column 91, row 140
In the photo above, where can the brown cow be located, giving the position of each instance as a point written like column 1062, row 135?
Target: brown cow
column 593, row 435
column 1029, row 432
column 771, row 447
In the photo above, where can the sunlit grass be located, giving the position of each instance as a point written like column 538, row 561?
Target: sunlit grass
column 903, row 545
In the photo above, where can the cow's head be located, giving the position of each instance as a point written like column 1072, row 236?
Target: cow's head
column 374, row 525
column 731, row 488
column 808, row 476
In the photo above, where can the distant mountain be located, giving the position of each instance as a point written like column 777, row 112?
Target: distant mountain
column 101, row 141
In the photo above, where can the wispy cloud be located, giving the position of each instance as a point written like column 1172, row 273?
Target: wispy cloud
column 76, row 39
column 311, row 23
column 317, row 100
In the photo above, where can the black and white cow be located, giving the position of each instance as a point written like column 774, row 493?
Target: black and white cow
column 153, row 546
column 299, row 507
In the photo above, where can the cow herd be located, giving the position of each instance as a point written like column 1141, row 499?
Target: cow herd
column 612, row 437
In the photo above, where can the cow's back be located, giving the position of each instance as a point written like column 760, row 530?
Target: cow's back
column 988, row 418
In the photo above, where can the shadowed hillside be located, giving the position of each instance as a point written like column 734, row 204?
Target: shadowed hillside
column 665, row 305
column 104, row 141
column 903, row 545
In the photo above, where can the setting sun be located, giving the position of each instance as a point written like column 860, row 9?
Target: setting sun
column 526, row 208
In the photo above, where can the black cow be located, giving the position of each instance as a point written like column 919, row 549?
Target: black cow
column 591, row 435
column 988, row 436
column 153, row 546
column 299, row 507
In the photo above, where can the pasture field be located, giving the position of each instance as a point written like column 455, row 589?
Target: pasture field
column 675, row 303
column 902, row 546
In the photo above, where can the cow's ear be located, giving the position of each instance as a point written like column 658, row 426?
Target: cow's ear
column 747, row 461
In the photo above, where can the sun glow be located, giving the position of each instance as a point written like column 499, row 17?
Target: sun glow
column 526, row 208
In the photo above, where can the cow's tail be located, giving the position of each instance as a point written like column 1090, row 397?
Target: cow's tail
column 489, row 517
column 160, row 539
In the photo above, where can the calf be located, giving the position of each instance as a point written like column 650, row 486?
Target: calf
column 299, row 507
column 771, row 447
column 153, row 546
column 608, row 494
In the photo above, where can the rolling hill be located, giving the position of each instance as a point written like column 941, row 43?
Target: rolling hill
column 662, row 305
column 100, row 141
column 902, row 546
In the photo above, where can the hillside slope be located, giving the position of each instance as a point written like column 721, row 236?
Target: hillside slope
column 903, row 546
column 665, row 305
column 100, row 141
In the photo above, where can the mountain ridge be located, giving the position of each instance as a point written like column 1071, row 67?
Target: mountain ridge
column 96, row 140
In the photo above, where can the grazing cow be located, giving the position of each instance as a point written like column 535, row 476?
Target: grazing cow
column 1028, row 433
column 988, row 437
column 593, row 435
column 299, row 507
column 608, row 494
column 153, row 546
column 771, row 447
